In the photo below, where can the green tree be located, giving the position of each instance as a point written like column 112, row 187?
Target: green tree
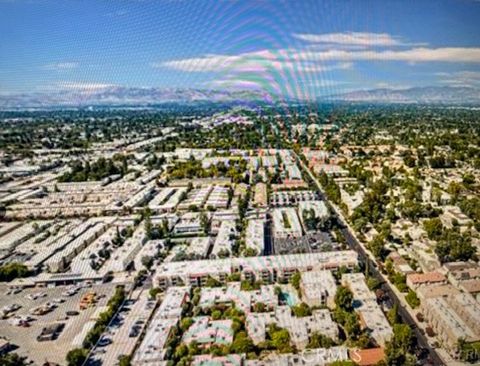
column 181, row 351
column 352, row 325
column 319, row 340
column 77, row 356
column 295, row 280
column 281, row 340
column 216, row 314
column 377, row 246
column 147, row 261
column 412, row 299
column 11, row 359
column 260, row 307
column 13, row 270
column 124, row 360
column 434, row 228
column 186, row 323
column 241, row 343
column 344, row 298
column 301, row 310
column 397, row 349
column 393, row 316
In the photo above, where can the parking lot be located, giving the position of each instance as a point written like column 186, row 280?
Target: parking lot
column 309, row 243
column 122, row 335
column 19, row 330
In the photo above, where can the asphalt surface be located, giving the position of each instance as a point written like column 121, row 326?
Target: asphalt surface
column 268, row 249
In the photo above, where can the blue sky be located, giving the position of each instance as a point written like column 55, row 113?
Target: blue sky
column 295, row 48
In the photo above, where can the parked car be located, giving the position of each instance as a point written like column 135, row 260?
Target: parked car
column 104, row 342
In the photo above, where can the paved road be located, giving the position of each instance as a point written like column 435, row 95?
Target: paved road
column 404, row 314
column 366, row 258
column 268, row 250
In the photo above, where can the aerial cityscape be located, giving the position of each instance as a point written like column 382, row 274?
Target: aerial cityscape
column 239, row 183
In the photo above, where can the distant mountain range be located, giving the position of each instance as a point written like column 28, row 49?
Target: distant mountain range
column 114, row 95
column 420, row 95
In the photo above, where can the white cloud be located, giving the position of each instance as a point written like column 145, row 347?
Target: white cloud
column 352, row 38
column 460, row 78
column 317, row 61
column 420, row 54
column 255, row 62
column 59, row 66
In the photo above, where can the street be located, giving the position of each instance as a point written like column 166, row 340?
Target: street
column 368, row 258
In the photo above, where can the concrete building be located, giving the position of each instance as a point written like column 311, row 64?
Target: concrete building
column 225, row 239
column 267, row 268
column 300, row 329
column 286, row 223
column 167, row 200
column 415, row 280
column 233, row 295
column 293, row 172
column 318, row 208
column 152, row 350
column 124, row 255
column 260, row 195
column 365, row 304
column 87, row 233
column 218, row 198
column 197, row 197
column 189, row 223
column 198, row 247
column 210, row 360
column 447, row 323
column 318, row 288
column 206, row 332
column 255, row 235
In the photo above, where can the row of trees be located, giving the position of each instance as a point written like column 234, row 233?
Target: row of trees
column 13, row 270
column 193, row 169
column 452, row 245
column 100, row 169
column 77, row 356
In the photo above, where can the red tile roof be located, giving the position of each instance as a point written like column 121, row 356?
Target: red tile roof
column 367, row 357
column 426, row 277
